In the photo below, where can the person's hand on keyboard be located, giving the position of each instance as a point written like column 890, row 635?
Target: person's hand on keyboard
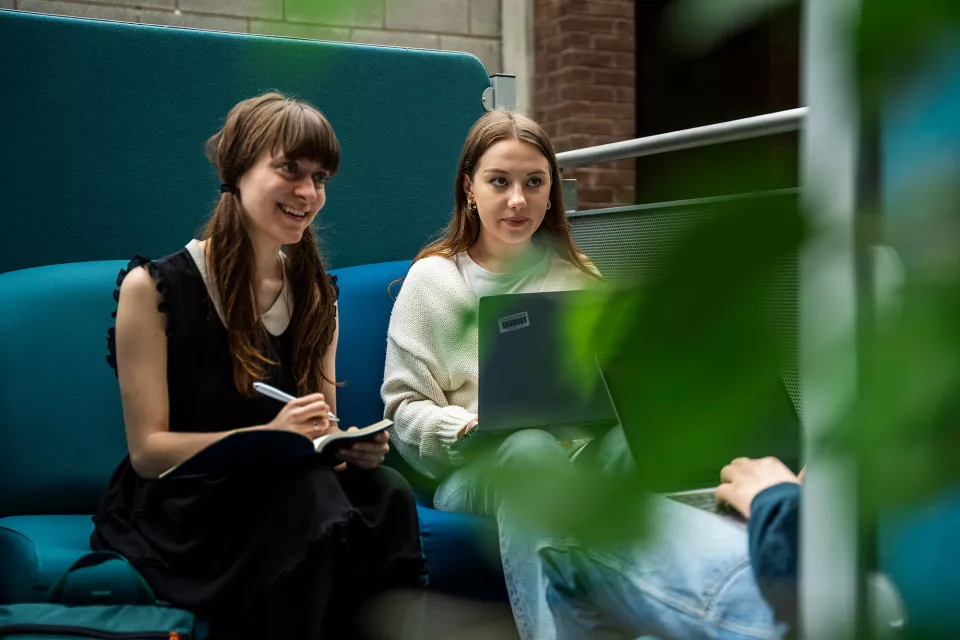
column 744, row 478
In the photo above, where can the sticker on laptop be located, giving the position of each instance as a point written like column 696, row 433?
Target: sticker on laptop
column 514, row 322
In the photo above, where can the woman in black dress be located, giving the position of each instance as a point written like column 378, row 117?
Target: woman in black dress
column 278, row 550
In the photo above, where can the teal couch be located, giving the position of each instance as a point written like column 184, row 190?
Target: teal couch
column 108, row 125
column 61, row 427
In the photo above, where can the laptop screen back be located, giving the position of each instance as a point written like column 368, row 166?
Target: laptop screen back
column 525, row 379
column 682, row 430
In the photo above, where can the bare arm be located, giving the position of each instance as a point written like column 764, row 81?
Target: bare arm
column 142, row 371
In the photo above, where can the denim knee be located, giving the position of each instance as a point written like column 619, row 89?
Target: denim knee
column 529, row 447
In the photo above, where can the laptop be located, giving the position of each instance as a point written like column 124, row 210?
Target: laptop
column 523, row 372
column 774, row 431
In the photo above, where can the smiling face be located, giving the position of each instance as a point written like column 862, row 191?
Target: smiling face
column 279, row 197
column 511, row 189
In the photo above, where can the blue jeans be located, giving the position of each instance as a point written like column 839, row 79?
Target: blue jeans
column 690, row 580
column 473, row 489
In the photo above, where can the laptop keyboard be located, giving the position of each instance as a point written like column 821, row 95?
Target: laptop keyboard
column 701, row 500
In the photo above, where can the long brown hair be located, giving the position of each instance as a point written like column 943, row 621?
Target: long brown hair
column 464, row 229
column 270, row 121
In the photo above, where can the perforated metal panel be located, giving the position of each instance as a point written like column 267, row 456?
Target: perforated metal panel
column 627, row 244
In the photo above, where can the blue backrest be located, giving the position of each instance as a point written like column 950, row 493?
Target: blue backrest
column 102, row 146
column 364, row 313
column 61, row 424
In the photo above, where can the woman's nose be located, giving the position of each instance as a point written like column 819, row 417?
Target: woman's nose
column 306, row 189
column 516, row 199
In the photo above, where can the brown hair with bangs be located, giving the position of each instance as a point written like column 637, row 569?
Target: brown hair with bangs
column 464, row 229
column 298, row 130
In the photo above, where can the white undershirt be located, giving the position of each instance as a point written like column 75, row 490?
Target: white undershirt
column 487, row 283
column 275, row 320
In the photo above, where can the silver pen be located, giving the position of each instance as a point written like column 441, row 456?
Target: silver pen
column 276, row 394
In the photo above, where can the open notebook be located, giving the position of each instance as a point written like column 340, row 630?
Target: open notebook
column 244, row 448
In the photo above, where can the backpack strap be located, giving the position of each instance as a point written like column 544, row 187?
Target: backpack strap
column 101, row 577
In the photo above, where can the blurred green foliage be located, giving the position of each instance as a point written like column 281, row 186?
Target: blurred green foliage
column 677, row 328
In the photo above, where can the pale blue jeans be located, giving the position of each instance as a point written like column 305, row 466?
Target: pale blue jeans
column 690, row 580
column 693, row 580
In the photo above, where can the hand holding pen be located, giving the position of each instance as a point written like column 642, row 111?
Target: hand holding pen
column 309, row 415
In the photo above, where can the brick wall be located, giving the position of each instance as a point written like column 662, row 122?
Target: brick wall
column 457, row 25
column 584, row 88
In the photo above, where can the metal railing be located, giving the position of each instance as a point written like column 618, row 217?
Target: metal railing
column 765, row 125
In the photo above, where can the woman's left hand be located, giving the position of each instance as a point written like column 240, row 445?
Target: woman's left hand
column 366, row 455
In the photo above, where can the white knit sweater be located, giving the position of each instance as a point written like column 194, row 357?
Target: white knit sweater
column 430, row 382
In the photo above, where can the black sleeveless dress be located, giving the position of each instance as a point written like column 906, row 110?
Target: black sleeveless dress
column 278, row 551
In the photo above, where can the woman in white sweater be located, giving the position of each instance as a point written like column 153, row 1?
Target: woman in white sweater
column 509, row 234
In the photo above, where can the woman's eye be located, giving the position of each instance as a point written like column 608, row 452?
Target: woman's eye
column 320, row 178
column 499, row 182
column 289, row 167
column 535, row 182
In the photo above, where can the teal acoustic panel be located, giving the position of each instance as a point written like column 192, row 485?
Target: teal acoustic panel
column 102, row 129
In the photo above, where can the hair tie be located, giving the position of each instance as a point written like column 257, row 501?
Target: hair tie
column 227, row 188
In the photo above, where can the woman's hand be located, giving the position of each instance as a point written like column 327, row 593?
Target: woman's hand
column 308, row 416
column 744, row 478
column 366, row 455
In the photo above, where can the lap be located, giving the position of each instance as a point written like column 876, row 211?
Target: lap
column 689, row 578
column 473, row 487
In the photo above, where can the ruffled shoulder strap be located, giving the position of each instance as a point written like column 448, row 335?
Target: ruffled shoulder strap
column 154, row 271
column 335, row 286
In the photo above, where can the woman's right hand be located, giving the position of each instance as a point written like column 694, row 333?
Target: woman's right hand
column 308, row 416
column 743, row 479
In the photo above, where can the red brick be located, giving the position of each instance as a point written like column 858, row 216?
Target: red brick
column 592, row 59
column 626, row 195
column 549, row 64
column 612, row 8
column 570, row 75
column 547, row 9
column 622, row 165
column 556, row 112
column 612, row 178
column 584, row 91
column 587, row 92
column 584, row 24
column 576, row 141
column 626, row 61
column 610, row 42
column 606, row 110
column 617, row 77
column 578, row 41
column 576, row 6
column 594, row 126
column 595, row 194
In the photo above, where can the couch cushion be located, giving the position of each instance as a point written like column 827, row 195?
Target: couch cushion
column 61, row 425
column 364, row 313
column 461, row 550
column 463, row 554
column 365, row 305
column 36, row 550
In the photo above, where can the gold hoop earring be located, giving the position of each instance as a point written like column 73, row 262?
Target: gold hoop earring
column 472, row 205
column 549, row 204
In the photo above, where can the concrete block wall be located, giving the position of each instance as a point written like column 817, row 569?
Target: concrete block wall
column 455, row 25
